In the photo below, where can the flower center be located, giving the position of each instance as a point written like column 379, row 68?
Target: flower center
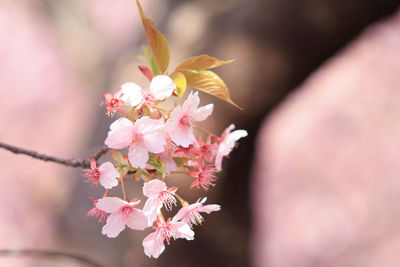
column 93, row 175
column 167, row 198
column 185, row 121
column 137, row 138
column 113, row 105
column 127, row 213
column 166, row 231
column 195, row 217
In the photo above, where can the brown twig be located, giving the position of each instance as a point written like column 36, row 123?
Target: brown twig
column 47, row 254
column 76, row 163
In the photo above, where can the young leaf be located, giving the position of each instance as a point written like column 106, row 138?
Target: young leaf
column 118, row 157
column 157, row 41
column 180, row 82
column 138, row 175
column 202, row 62
column 209, row 82
column 151, row 59
column 180, row 162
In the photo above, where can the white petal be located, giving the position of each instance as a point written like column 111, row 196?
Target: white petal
column 183, row 230
column 132, row 94
column 113, row 226
column 236, row 135
column 110, row 204
column 161, row 87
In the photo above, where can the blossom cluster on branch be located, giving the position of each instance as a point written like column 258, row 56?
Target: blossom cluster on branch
column 151, row 142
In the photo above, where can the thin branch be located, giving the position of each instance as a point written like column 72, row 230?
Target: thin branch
column 76, row 163
column 47, row 254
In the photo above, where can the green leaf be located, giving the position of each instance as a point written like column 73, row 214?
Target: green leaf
column 202, row 62
column 157, row 41
column 118, row 157
column 180, row 82
column 180, row 162
column 138, row 175
column 210, row 83
column 151, row 59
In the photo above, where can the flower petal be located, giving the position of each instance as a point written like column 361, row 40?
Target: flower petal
column 161, row 87
column 152, row 188
column 132, row 94
column 183, row 230
column 139, row 221
column 210, row 208
column 138, row 156
column 110, row 204
column 120, row 134
column 108, row 175
column 113, row 226
column 153, row 245
column 203, row 112
column 151, row 209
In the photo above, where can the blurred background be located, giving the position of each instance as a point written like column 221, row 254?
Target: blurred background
column 316, row 182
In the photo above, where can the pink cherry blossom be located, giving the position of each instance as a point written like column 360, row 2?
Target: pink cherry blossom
column 204, row 176
column 190, row 214
column 158, row 195
column 106, row 174
column 114, row 103
column 154, row 243
column 161, row 87
column 95, row 212
column 228, row 141
column 142, row 137
column 122, row 213
column 180, row 123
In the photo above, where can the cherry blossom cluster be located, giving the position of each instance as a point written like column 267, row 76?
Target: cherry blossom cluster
column 149, row 144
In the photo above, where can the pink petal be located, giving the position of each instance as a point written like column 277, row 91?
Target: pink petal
column 110, row 204
column 182, row 213
column 183, row 230
column 151, row 209
column 170, row 165
column 203, row 112
column 218, row 162
column 145, row 125
column 152, row 188
column 182, row 136
column 139, row 221
column 132, row 94
column 161, row 87
column 191, row 103
column 155, row 142
column 120, row 134
column 113, row 226
column 108, row 175
column 138, row 156
column 153, row 245
column 209, row 208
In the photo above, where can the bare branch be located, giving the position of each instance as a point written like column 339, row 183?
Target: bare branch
column 76, row 163
column 47, row 254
